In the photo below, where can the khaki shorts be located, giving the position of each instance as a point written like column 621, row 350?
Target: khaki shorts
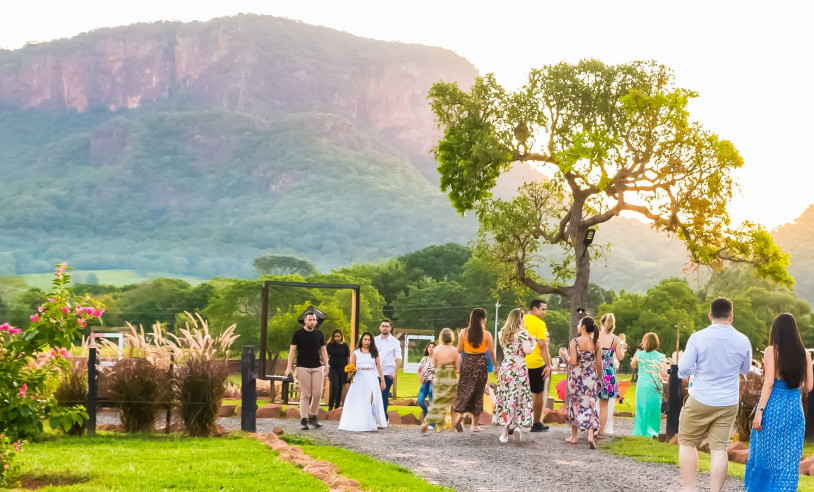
column 698, row 421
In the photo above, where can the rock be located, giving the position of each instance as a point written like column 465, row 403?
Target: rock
column 485, row 418
column 704, row 446
column 409, row 419
column 335, row 414
column 674, row 439
column 226, row 410
column 322, row 414
column 806, row 464
column 554, row 418
column 220, row 431
column 345, row 484
column 292, row 413
column 623, row 414
column 735, row 446
column 663, row 438
column 277, row 431
column 110, row 427
column 238, row 410
column 393, row 417
column 739, row 456
column 271, row 411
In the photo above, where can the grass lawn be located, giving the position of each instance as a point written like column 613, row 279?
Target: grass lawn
column 649, row 450
column 151, row 462
column 372, row 474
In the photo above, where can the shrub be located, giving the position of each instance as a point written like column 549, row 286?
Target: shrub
column 201, row 380
column 30, row 357
column 750, row 387
column 73, row 390
column 140, row 390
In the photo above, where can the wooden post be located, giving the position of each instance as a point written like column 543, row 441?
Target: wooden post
column 248, row 414
column 169, row 403
column 93, row 389
column 354, row 319
column 674, row 401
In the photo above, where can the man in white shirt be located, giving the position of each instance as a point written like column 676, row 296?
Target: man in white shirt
column 390, row 356
column 714, row 356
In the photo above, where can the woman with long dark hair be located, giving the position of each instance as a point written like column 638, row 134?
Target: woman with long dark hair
column 426, row 371
column 585, row 360
column 338, row 355
column 473, row 342
column 779, row 425
column 364, row 410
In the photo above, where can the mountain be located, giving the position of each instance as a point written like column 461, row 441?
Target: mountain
column 194, row 148
column 797, row 239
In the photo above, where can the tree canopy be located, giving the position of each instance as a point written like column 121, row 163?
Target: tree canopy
column 613, row 139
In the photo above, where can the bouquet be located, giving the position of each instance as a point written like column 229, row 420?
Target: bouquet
column 350, row 368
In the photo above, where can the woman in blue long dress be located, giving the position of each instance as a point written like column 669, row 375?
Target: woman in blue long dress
column 776, row 443
column 649, row 389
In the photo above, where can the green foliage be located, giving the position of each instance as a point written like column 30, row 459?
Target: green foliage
column 270, row 264
column 612, row 138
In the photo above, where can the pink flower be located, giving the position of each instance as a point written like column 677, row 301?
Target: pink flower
column 63, row 352
column 81, row 322
column 5, row 326
column 35, row 318
column 23, row 389
column 52, row 353
column 98, row 312
column 66, row 309
column 14, row 331
column 51, row 299
column 41, row 308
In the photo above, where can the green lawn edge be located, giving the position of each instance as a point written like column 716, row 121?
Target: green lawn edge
column 372, row 474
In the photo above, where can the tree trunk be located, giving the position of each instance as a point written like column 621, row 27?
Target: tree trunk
column 578, row 292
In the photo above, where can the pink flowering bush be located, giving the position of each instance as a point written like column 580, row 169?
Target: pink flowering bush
column 25, row 399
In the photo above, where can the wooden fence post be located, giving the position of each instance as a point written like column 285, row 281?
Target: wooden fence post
column 93, row 388
column 674, row 402
column 248, row 389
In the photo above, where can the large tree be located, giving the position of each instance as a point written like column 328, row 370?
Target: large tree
column 612, row 138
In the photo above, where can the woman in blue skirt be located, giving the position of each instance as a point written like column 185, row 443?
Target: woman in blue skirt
column 779, row 424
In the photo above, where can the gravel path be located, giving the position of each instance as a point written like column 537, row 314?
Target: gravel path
column 479, row 462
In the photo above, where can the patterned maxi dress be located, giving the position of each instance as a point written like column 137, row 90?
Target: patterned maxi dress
column 583, row 385
column 445, row 390
column 610, row 387
column 775, row 451
column 513, row 397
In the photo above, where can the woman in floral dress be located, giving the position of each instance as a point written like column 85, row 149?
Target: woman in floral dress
column 613, row 348
column 585, row 359
column 513, row 407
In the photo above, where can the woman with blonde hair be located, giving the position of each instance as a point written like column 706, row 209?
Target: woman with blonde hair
column 513, row 408
column 613, row 347
column 446, row 362
column 649, row 389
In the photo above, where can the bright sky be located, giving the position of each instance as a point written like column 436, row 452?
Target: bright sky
column 750, row 61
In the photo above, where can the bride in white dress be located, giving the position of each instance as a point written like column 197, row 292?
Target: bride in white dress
column 364, row 410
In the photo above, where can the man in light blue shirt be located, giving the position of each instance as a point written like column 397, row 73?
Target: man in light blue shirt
column 715, row 357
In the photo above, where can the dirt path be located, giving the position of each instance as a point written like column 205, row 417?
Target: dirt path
column 479, row 462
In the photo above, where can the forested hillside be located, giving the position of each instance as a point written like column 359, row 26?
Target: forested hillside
column 195, row 148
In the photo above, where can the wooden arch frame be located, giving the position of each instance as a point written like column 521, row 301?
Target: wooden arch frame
column 354, row 314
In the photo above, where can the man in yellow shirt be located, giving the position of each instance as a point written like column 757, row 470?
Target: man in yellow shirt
column 538, row 361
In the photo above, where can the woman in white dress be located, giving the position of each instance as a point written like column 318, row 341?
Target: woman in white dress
column 364, row 410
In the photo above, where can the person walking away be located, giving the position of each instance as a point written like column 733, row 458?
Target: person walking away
column 584, row 358
column 649, row 389
column 447, row 362
column 538, row 362
column 613, row 348
column 714, row 356
column 308, row 346
column 390, row 352
column 513, row 407
column 363, row 410
column 473, row 342
column 338, row 355
column 426, row 370
column 776, row 443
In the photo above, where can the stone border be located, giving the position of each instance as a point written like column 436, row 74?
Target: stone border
column 324, row 471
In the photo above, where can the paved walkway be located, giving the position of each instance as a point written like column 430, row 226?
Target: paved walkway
column 479, row 462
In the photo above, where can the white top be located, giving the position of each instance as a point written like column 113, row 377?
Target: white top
column 715, row 356
column 389, row 351
column 364, row 361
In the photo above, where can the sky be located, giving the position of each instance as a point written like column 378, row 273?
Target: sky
column 751, row 62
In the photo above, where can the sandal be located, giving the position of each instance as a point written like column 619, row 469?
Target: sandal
column 591, row 444
column 458, row 426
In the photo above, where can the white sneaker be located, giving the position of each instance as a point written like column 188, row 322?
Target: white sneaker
column 503, row 438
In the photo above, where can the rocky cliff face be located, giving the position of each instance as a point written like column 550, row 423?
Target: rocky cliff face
column 255, row 64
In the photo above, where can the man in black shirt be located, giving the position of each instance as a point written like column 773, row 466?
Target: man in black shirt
column 308, row 346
